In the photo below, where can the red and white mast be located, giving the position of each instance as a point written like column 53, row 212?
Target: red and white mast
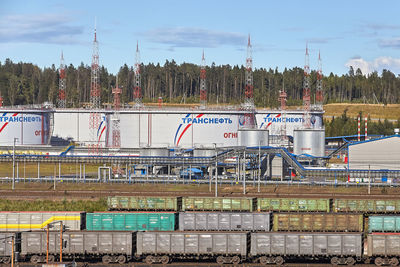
column 249, row 101
column 137, row 90
column 319, row 92
column 203, row 89
column 95, row 117
column 306, row 92
column 116, row 131
column 248, row 105
column 95, row 83
column 61, row 85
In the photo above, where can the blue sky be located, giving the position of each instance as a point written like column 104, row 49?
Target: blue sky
column 364, row 34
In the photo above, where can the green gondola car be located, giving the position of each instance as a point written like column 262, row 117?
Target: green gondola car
column 131, row 221
column 217, row 204
column 384, row 224
column 144, row 203
column 293, row 204
column 367, row 205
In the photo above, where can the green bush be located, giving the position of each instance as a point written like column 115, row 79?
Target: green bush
column 53, row 205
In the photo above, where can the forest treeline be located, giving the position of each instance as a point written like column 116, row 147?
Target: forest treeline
column 345, row 126
column 26, row 83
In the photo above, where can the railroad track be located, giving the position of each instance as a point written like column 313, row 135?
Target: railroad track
column 29, row 194
column 184, row 264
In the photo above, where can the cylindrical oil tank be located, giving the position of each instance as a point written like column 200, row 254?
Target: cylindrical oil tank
column 154, row 152
column 253, row 137
column 201, row 152
column 309, row 141
column 29, row 127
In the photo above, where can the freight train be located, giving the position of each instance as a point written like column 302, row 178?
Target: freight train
column 365, row 206
column 224, row 247
column 227, row 230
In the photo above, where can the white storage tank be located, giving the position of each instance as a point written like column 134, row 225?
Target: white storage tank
column 29, row 127
column 203, row 152
column 154, row 152
column 309, row 141
column 253, row 137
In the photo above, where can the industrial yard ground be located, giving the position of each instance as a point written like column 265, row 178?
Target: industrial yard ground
column 92, row 197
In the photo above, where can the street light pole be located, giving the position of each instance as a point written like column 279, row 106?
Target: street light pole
column 12, row 251
column 61, row 240
column 216, row 170
column 13, row 180
column 47, row 244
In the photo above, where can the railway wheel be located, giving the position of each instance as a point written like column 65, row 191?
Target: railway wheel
column 335, row 261
column 350, row 261
column 279, row 260
column 164, row 259
column 235, row 259
column 220, row 259
column 264, row 260
column 379, row 261
column 51, row 258
column 149, row 259
column 394, row 262
column 106, row 259
column 121, row 259
column 35, row 259
column 6, row 260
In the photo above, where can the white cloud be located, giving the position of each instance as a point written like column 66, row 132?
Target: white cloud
column 194, row 37
column 391, row 43
column 42, row 28
column 378, row 64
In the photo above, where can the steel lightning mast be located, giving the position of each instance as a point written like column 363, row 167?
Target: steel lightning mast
column 203, row 89
column 95, row 117
column 248, row 105
column 306, row 92
column 319, row 93
column 116, row 132
column 61, row 85
column 137, row 90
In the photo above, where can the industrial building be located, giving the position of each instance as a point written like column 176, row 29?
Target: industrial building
column 376, row 154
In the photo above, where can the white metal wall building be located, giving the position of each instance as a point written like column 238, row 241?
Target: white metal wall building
column 376, row 154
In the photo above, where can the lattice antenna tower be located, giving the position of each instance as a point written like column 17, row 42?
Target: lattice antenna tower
column 137, row 90
column 306, row 92
column 203, row 88
column 319, row 91
column 282, row 99
column 62, row 103
column 249, row 101
column 95, row 117
column 116, row 130
column 248, row 105
column 95, row 80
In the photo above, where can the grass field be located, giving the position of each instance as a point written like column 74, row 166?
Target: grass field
column 46, row 169
column 375, row 111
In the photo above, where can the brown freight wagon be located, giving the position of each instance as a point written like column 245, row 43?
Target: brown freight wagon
column 318, row 222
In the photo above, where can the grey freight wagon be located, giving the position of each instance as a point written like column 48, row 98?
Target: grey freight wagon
column 225, row 247
column 109, row 246
column 20, row 221
column 224, row 221
column 340, row 248
column 384, row 248
column 6, row 246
